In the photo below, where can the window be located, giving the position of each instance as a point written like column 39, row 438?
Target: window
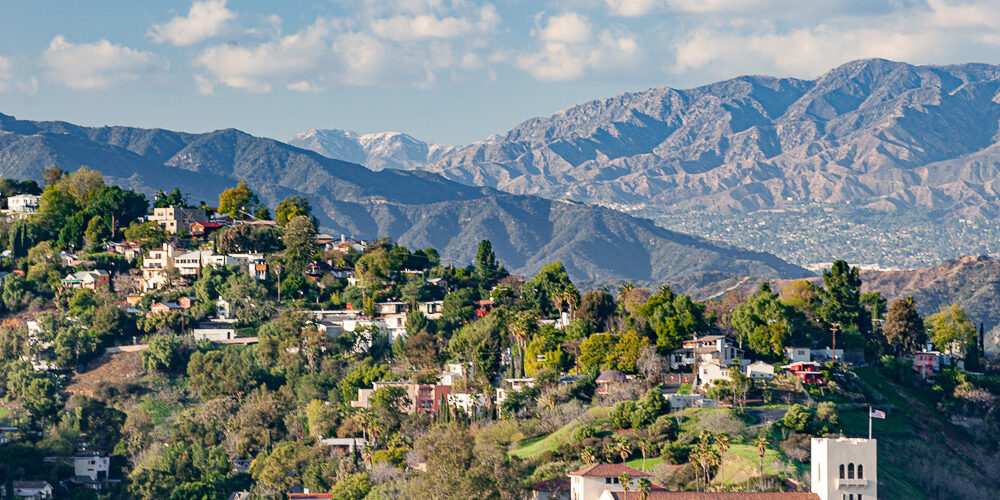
column 842, row 471
column 850, row 472
column 861, row 471
column 607, row 480
column 615, row 480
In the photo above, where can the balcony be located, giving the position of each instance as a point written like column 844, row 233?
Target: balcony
column 852, row 484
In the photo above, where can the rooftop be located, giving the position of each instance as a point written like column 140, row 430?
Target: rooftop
column 702, row 495
column 609, row 470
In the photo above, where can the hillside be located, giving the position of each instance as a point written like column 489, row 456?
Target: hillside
column 419, row 209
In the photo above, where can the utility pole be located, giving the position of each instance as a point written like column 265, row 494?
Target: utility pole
column 833, row 352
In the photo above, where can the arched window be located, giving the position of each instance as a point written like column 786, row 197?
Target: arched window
column 861, row 471
column 850, row 472
column 842, row 471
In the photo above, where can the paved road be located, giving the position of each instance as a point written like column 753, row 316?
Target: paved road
column 766, row 415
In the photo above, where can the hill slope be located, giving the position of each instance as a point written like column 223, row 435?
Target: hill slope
column 375, row 151
column 419, row 209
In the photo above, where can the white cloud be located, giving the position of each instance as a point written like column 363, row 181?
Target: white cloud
column 568, row 50
column 9, row 82
column 633, row 8
column 718, row 6
column 569, row 27
column 429, row 26
column 97, row 65
column 204, row 20
column 964, row 14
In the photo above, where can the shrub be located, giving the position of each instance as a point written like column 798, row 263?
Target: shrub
column 621, row 415
column 799, row 418
column 675, row 452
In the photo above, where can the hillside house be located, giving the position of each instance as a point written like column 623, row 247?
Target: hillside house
column 174, row 219
column 163, row 307
column 22, row 203
column 128, row 249
column 807, row 371
column 205, row 228
column 423, row 398
column 91, row 280
column 928, row 361
column 344, row 446
column 552, row 489
column 609, row 379
column 592, row 481
column 709, row 348
column 471, row 403
column 760, row 370
column 431, row 309
column 516, row 385
column 798, row 354
column 215, row 332
column 32, row 490
column 190, row 263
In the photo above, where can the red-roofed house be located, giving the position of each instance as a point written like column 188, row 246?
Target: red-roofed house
column 591, row 482
column 203, row 228
column 709, row 495
column 552, row 489
column 308, row 496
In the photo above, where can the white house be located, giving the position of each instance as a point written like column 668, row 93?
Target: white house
column 760, row 370
column 431, row 309
column 516, row 385
column 23, row 203
column 175, row 219
column 681, row 401
column 223, row 308
column 214, row 332
column 591, row 482
column 91, row 465
column 470, row 403
column 33, row 490
column 344, row 445
column 845, row 468
column 706, row 349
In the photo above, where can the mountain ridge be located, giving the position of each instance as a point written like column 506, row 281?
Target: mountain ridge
column 417, row 208
column 874, row 133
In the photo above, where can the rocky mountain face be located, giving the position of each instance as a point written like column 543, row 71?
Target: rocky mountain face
column 418, row 209
column 873, row 133
column 375, row 151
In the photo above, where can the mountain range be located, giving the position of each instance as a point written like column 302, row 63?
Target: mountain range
column 874, row 133
column 418, row 209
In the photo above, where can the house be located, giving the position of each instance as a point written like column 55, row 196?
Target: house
column 223, row 308
column 470, row 403
column 451, row 374
column 91, row 280
column 797, row 354
column 708, row 373
column 516, row 385
column 807, row 371
column 662, row 494
column 431, row 309
column 760, row 370
column 33, row 490
column 71, row 260
column 129, row 249
column 928, row 361
column 91, row 466
column 174, row 219
column 190, row 263
column 203, row 228
column 706, row 349
column 344, row 445
column 483, row 307
column 306, row 495
column 164, row 307
column 591, row 482
column 844, row 468
column 186, row 301
column 553, row 489
column 609, row 379
column 214, row 331
column 23, row 203
column 424, row 398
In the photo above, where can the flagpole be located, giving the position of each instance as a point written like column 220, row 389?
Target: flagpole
column 869, row 422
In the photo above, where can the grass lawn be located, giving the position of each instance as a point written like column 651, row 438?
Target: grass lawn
column 159, row 411
column 540, row 444
column 741, row 462
column 636, row 462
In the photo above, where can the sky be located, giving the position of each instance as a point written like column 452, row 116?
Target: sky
column 446, row 71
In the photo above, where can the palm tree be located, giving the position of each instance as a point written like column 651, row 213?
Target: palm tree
column 644, row 444
column 665, row 290
column 761, row 443
column 623, row 448
column 644, row 486
column 570, row 298
column 625, row 287
column 722, row 441
column 626, row 481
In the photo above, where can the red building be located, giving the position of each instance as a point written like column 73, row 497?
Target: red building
column 807, row 371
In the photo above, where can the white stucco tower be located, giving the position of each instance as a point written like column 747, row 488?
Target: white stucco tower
column 845, row 468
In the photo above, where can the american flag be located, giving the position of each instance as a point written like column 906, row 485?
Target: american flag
column 877, row 414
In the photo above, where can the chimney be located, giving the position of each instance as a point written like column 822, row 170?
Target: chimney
column 343, row 239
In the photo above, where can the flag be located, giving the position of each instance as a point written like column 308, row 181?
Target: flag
column 877, row 414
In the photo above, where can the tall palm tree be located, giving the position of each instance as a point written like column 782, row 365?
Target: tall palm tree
column 644, row 486
column 625, row 287
column 722, row 441
column 644, row 444
column 626, row 481
column 623, row 448
column 761, row 443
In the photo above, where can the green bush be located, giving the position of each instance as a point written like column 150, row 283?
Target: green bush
column 675, row 452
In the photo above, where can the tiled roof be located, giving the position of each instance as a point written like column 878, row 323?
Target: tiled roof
column 557, row 484
column 609, row 470
column 701, row 495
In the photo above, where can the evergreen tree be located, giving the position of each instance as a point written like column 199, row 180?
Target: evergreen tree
column 841, row 295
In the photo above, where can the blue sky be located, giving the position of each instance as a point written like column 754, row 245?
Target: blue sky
column 448, row 71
